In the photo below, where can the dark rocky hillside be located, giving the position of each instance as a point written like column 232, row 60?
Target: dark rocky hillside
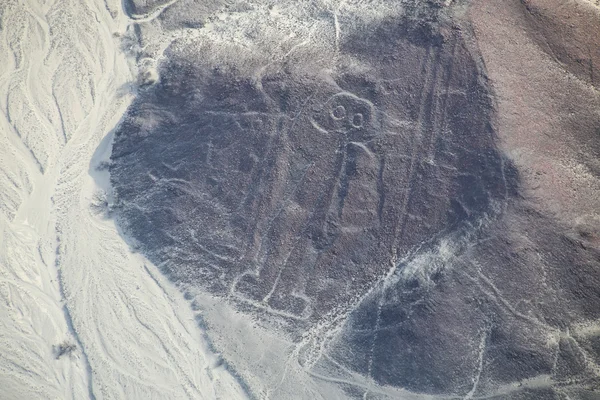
column 356, row 192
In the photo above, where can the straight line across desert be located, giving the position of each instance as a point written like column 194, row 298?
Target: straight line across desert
column 283, row 199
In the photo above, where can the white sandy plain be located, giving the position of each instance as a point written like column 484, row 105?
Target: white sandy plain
column 66, row 275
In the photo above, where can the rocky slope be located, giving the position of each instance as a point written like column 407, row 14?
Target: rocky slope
column 402, row 196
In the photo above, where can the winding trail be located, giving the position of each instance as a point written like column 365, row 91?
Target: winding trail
column 66, row 275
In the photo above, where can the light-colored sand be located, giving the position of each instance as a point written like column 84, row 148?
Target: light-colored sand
column 65, row 273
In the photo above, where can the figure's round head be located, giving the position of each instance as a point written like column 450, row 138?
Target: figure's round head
column 347, row 114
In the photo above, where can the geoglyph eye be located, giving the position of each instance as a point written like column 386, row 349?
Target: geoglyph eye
column 338, row 112
column 351, row 115
column 357, row 120
column 349, row 107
